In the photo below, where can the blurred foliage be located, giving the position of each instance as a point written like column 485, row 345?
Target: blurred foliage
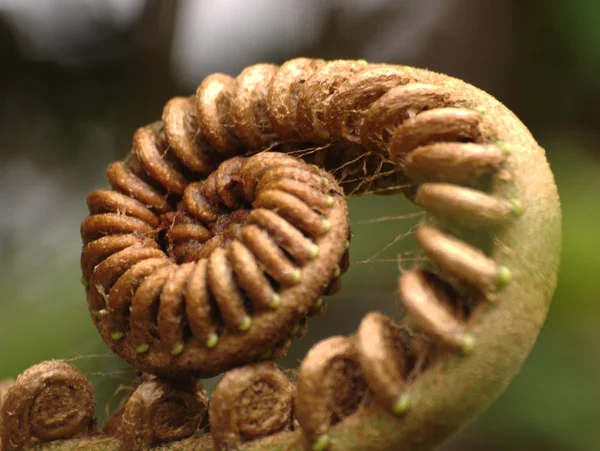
column 577, row 26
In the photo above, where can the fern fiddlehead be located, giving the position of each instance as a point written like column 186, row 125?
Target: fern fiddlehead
column 491, row 237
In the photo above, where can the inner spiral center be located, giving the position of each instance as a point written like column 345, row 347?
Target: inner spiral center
column 229, row 224
column 187, row 240
column 54, row 412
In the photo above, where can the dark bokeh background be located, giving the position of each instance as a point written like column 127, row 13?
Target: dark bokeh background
column 78, row 76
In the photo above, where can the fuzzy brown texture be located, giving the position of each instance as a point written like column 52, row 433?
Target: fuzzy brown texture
column 160, row 411
column 380, row 350
column 458, row 259
column 249, row 403
column 423, row 304
column 50, row 401
column 492, row 233
column 467, row 207
column 5, row 384
column 458, row 163
column 112, row 424
column 330, row 386
column 224, row 277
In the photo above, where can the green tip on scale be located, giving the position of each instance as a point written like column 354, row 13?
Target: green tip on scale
column 402, row 404
column 314, row 251
column 505, row 147
column 212, row 340
column 322, row 443
column 245, row 324
column 337, row 273
column 275, row 301
column 142, row 348
column 468, row 344
column 517, row 206
column 177, row 349
column 504, row 276
column 297, row 276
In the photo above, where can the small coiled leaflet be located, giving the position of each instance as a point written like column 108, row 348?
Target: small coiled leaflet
column 263, row 400
column 49, row 401
column 223, row 279
column 160, row 411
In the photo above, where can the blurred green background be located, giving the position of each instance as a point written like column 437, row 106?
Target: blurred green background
column 77, row 78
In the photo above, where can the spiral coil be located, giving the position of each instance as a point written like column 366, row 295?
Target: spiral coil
column 263, row 397
column 211, row 283
column 159, row 411
column 50, row 401
column 219, row 281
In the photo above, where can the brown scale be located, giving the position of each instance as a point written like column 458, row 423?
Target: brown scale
column 330, row 386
